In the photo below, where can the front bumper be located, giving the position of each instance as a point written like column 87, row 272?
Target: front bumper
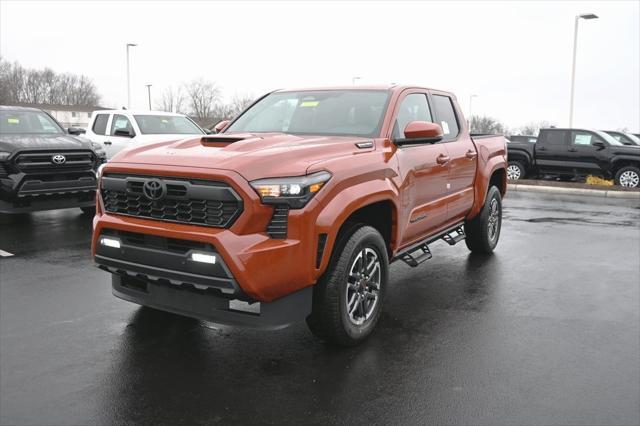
column 209, row 306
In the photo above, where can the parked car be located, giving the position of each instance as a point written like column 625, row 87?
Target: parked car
column 626, row 138
column 575, row 152
column 42, row 166
column 297, row 208
column 522, row 138
column 116, row 130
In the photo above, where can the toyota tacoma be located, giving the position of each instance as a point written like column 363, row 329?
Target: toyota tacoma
column 42, row 165
column 296, row 208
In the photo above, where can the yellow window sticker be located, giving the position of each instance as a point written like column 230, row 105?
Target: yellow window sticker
column 164, row 120
column 13, row 120
column 309, row 103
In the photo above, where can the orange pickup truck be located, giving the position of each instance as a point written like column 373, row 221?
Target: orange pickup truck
column 295, row 209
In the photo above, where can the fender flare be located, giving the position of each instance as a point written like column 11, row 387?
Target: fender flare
column 520, row 155
column 482, row 185
column 346, row 202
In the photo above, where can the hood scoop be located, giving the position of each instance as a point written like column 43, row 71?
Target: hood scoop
column 220, row 139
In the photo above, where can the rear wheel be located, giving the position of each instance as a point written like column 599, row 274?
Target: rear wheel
column 515, row 170
column 628, row 177
column 347, row 300
column 483, row 231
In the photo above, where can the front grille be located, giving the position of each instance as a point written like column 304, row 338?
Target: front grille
column 43, row 160
column 196, row 202
column 277, row 227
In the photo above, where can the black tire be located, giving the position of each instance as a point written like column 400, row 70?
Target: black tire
column 479, row 238
column 90, row 211
column 628, row 177
column 330, row 319
column 516, row 170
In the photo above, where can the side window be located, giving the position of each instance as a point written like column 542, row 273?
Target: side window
column 414, row 107
column 100, row 125
column 47, row 126
column 554, row 137
column 583, row 138
column 446, row 116
column 120, row 122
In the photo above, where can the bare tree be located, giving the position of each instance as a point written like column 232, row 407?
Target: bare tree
column 485, row 124
column 239, row 103
column 172, row 100
column 19, row 84
column 532, row 129
column 202, row 95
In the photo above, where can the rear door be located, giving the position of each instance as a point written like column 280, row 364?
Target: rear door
column 463, row 158
column 552, row 151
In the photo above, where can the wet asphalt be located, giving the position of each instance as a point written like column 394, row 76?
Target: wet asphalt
column 545, row 331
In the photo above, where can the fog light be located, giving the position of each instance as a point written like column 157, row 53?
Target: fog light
column 110, row 242
column 203, row 258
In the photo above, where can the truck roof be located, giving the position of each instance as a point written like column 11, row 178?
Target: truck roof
column 136, row 112
column 17, row 108
column 388, row 87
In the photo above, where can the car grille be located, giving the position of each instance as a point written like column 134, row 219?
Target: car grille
column 196, row 202
column 38, row 161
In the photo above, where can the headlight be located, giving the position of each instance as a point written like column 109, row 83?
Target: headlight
column 99, row 149
column 4, row 155
column 294, row 191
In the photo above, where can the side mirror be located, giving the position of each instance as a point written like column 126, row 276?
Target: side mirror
column 75, row 131
column 208, row 131
column 221, row 126
column 124, row 133
column 599, row 144
column 421, row 132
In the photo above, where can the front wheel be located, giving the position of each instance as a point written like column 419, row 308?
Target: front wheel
column 347, row 300
column 483, row 231
column 628, row 177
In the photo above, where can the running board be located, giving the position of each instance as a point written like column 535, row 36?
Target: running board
column 417, row 255
column 455, row 236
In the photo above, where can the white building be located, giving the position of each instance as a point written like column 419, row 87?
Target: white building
column 67, row 115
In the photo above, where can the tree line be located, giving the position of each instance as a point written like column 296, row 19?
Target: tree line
column 44, row 86
column 201, row 100
column 485, row 124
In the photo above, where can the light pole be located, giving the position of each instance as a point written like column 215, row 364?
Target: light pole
column 573, row 67
column 353, row 80
column 129, row 76
column 149, row 93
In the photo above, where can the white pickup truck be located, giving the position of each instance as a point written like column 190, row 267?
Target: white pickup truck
column 116, row 130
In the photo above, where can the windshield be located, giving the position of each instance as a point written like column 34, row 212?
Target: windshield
column 167, row 125
column 22, row 122
column 325, row 112
column 610, row 139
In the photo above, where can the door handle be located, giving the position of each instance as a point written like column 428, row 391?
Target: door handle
column 107, row 142
column 471, row 154
column 542, row 148
column 442, row 159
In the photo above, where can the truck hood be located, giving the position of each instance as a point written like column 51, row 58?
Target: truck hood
column 254, row 156
column 13, row 143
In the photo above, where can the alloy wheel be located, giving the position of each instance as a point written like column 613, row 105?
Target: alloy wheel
column 629, row 179
column 513, row 172
column 363, row 286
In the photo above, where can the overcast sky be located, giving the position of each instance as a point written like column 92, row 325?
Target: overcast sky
column 515, row 56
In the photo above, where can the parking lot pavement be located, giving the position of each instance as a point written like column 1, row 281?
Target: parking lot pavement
column 545, row 331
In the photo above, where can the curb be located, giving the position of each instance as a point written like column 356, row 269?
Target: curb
column 634, row 195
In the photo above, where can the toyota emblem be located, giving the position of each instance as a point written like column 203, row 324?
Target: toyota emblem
column 154, row 189
column 58, row 159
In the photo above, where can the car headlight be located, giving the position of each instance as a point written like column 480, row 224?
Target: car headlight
column 4, row 155
column 295, row 191
column 99, row 149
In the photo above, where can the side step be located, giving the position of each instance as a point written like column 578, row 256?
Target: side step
column 455, row 236
column 417, row 255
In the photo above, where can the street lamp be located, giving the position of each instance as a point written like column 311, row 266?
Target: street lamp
column 149, row 93
column 573, row 67
column 353, row 80
column 129, row 76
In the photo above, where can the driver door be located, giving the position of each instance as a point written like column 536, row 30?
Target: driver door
column 117, row 142
column 424, row 170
